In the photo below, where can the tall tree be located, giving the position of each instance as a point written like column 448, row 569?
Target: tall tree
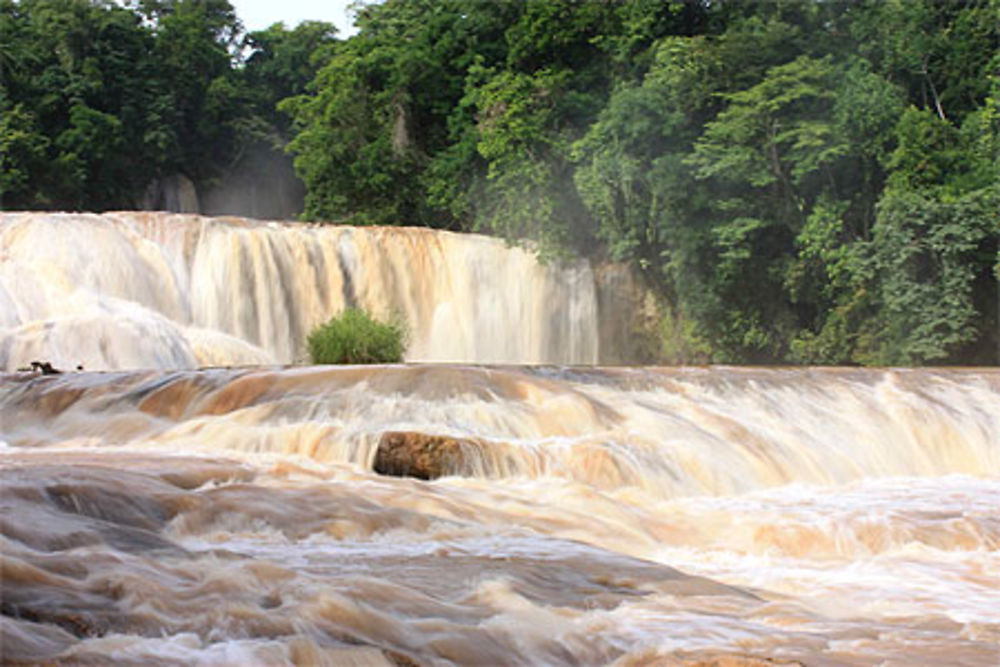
column 379, row 109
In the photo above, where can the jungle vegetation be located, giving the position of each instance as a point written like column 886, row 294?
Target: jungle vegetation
column 802, row 181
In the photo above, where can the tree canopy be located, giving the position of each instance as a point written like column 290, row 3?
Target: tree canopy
column 98, row 100
column 802, row 181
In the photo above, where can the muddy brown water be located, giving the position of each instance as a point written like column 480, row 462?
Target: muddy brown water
column 608, row 516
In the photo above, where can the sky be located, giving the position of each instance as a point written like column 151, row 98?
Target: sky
column 258, row 14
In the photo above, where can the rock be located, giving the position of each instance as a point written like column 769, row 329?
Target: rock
column 411, row 454
column 629, row 315
column 45, row 368
column 175, row 192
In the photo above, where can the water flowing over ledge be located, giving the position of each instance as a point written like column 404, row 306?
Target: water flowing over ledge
column 589, row 515
column 157, row 290
column 637, row 516
column 670, row 432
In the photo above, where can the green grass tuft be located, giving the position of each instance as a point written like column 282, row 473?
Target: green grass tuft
column 354, row 337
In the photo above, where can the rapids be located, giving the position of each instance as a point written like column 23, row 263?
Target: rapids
column 631, row 516
column 159, row 290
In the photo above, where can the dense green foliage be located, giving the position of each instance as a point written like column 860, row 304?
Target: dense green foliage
column 354, row 337
column 98, row 100
column 802, row 181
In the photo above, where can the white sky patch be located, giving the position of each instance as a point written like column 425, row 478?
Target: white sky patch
column 259, row 14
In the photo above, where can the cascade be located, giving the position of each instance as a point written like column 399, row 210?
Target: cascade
column 665, row 431
column 158, row 290
column 157, row 512
column 630, row 516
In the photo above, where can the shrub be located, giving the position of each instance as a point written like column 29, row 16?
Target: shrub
column 354, row 337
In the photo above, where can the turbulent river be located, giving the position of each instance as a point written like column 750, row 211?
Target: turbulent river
column 154, row 513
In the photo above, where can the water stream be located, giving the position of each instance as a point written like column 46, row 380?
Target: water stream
column 155, row 511
column 156, row 290
column 629, row 516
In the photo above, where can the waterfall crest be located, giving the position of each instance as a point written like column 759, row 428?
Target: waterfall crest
column 158, row 290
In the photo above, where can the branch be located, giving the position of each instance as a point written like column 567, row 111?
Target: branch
column 937, row 100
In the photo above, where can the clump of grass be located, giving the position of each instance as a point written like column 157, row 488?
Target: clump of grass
column 355, row 337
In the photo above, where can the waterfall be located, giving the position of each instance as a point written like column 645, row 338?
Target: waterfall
column 157, row 290
column 825, row 516
column 160, row 512
column 668, row 432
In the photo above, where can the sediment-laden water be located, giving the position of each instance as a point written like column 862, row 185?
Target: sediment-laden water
column 628, row 516
column 157, row 290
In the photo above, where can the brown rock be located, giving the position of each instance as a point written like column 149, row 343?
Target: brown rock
column 410, row 454
column 629, row 315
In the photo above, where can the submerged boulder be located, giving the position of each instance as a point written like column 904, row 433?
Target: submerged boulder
column 412, row 454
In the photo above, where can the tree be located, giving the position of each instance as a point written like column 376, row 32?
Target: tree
column 118, row 97
column 927, row 255
column 934, row 255
column 381, row 109
column 526, row 192
column 631, row 175
column 282, row 62
column 801, row 181
column 75, row 75
column 22, row 155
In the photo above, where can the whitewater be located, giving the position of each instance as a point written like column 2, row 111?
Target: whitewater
column 158, row 512
column 141, row 290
